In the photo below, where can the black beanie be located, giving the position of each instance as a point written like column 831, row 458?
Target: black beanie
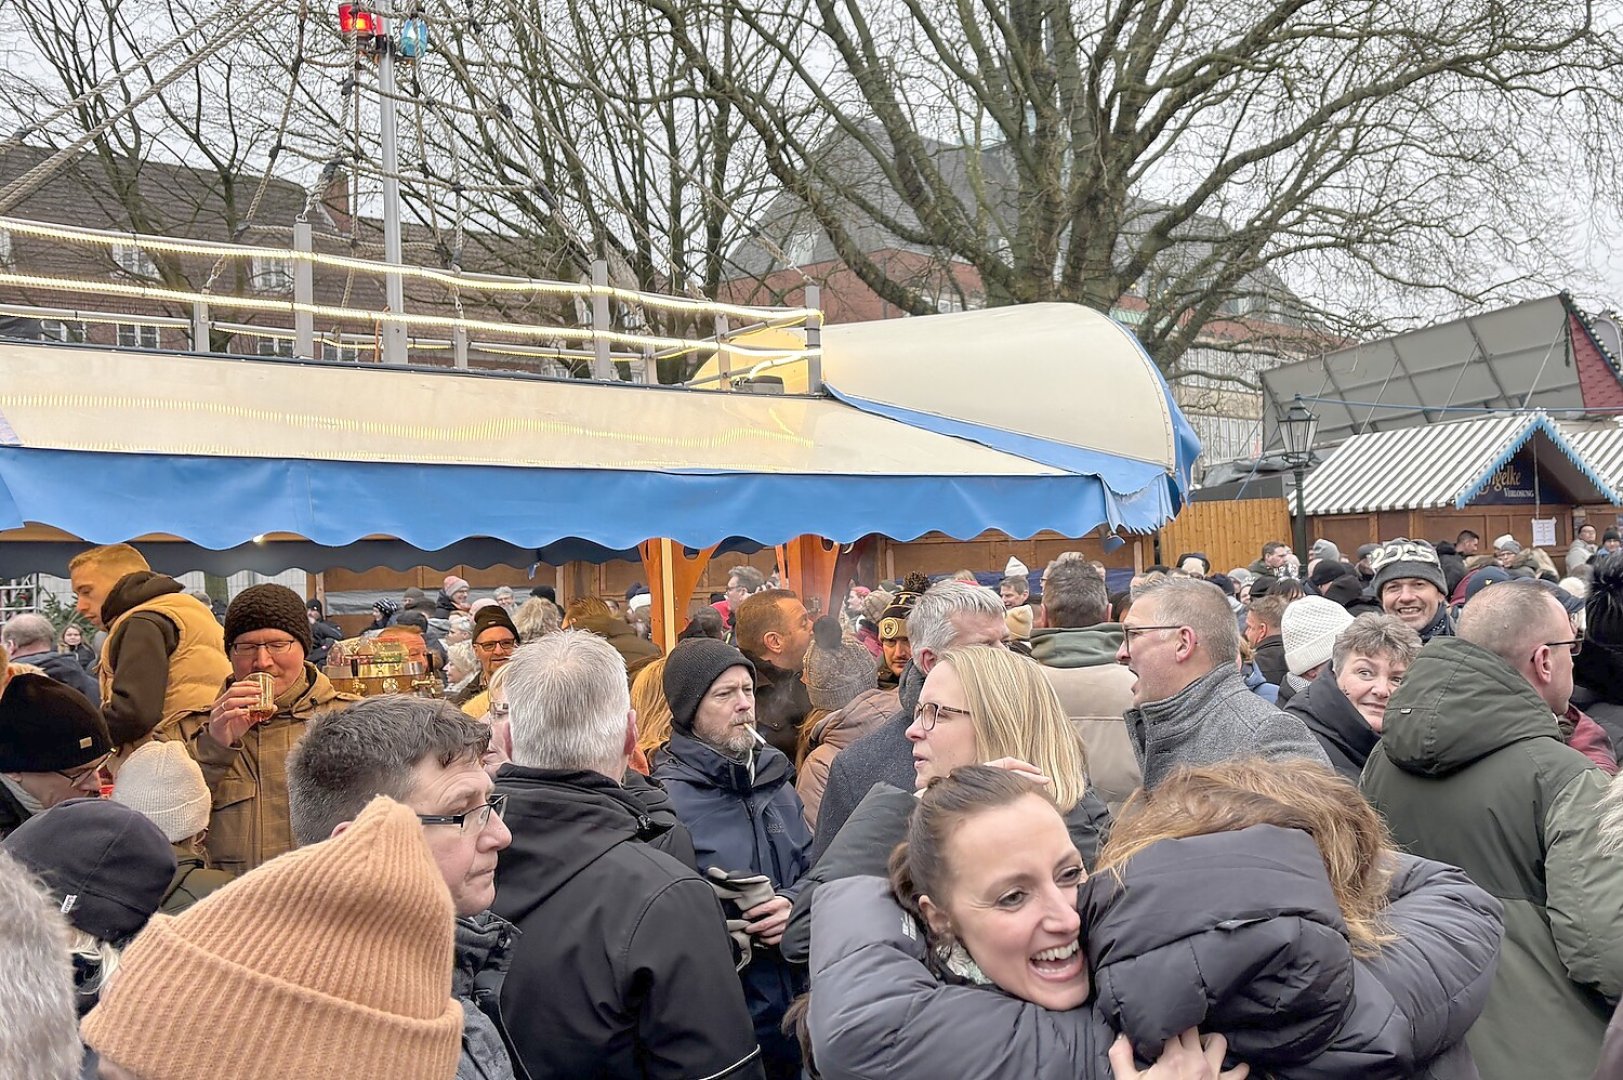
column 107, row 865
column 47, row 726
column 691, row 669
column 268, row 607
column 492, row 615
column 1600, row 666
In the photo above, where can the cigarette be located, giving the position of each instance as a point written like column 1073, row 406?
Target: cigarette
column 756, row 732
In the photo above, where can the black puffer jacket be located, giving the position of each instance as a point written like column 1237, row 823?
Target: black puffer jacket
column 1252, row 909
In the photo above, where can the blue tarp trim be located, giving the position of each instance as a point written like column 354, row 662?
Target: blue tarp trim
column 223, row 502
column 1537, row 424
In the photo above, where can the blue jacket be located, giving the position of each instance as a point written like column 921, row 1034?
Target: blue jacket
column 746, row 816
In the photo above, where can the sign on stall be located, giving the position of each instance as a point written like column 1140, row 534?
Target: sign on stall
column 1544, row 532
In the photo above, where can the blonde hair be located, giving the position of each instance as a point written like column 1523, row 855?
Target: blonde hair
column 1294, row 794
column 536, row 618
column 652, row 709
column 110, row 557
column 1016, row 713
column 98, row 960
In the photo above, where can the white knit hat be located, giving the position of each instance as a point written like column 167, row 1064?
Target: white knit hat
column 1014, row 568
column 1309, row 628
column 163, row 782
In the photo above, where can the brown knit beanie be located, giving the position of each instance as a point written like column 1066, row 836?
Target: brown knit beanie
column 332, row 960
column 837, row 668
column 268, row 607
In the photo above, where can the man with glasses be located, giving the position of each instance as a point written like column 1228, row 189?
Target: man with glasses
column 1471, row 770
column 426, row 754
column 53, row 746
column 1191, row 705
column 623, row 968
column 495, row 639
column 244, row 753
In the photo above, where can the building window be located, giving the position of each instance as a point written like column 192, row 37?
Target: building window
column 5, row 249
column 72, row 333
column 276, row 347
column 135, row 336
column 800, row 247
column 134, row 262
column 270, row 274
column 329, row 351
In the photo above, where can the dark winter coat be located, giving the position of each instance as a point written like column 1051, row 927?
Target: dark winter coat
column 1215, row 718
column 872, row 832
column 1269, row 656
column 484, row 945
column 781, row 704
column 1471, row 770
column 624, row 968
column 325, row 635
column 12, row 812
column 1338, row 725
column 883, row 756
column 877, row 1011
column 1608, row 714
column 633, row 649
column 445, row 607
column 193, row 880
column 746, row 816
column 66, row 669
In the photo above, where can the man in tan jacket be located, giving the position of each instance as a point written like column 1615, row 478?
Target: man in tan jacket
column 1077, row 650
column 244, row 758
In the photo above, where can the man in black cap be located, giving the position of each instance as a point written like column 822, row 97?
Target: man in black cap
column 243, row 752
column 53, row 744
column 495, row 639
column 1409, row 583
column 897, row 650
column 735, row 794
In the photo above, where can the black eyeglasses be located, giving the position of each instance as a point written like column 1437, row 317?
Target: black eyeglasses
column 479, row 815
column 1575, row 644
column 928, row 712
column 490, row 648
column 275, row 648
column 84, row 770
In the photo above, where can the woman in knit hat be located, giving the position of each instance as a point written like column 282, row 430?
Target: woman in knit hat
column 163, row 783
column 846, row 705
column 108, row 868
column 453, row 597
column 867, row 622
column 334, row 960
column 242, row 751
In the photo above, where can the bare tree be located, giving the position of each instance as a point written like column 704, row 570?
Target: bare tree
column 1191, row 158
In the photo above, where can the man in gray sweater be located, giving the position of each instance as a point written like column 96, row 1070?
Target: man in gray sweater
column 1190, row 704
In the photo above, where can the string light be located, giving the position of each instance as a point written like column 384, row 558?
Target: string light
column 291, row 307
column 486, row 282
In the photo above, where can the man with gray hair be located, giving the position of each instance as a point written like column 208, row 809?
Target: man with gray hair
column 40, row 1036
column 31, row 639
column 950, row 614
column 1471, row 770
column 1191, row 705
column 427, row 754
column 623, row 967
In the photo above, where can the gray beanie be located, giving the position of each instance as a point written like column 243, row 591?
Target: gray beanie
column 691, row 669
column 1405, row 558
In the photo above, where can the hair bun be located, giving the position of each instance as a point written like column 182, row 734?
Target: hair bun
column 1608, row 581
column 916, row 583
column 827, row 633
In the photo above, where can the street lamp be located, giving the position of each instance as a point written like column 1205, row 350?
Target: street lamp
column 1299, row 427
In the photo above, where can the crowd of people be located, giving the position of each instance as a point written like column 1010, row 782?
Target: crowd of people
column 1309, row 818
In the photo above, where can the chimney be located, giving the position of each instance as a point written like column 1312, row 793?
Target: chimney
column 335, row 197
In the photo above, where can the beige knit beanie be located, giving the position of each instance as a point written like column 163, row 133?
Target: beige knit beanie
column 161, row 780
column 332, row 960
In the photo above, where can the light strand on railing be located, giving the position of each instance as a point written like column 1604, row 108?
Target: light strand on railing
column 486, row 282
column 250, row 303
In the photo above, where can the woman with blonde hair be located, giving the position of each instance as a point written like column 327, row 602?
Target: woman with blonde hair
column 536, row 618
column 1258, row 899
column 653, row 712
column 979, row 703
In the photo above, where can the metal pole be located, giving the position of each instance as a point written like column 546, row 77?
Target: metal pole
column 814, row 341
column 1300, row 469
column 394, row 333
column 200, row 327
column 602, row 367
column 304, row 294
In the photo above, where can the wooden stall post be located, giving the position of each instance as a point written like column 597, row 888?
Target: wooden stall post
column 672, row 575
column 808, row 564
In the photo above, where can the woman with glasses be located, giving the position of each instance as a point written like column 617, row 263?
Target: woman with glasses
column 1261, row 900
column 979, row 704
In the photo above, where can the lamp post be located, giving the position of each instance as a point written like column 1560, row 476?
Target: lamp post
column 1299, row 427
